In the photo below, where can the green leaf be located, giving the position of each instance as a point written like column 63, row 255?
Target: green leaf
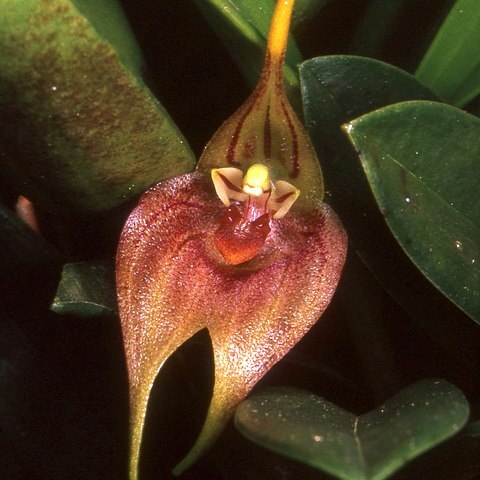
column 368, row 447
column 376, row 25
column 306, row 9
column 243, row 27
column 86, row 289
column 79, row 129
column 362, row 297
column 26, row 259
column 421, row 159
column 458, row 458
column 337, row 89
column 110, row 23
column 451, row 66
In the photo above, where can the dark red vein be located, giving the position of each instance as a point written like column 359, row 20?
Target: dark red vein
column 267, row 135
column 259, row 91
column 284, row 197
column 229, row 184
column 281, row 95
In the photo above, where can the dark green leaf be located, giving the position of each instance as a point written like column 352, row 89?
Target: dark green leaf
column 26, row 259
column 372, row 446
column 362, row 297
column 78, row 127
column 86, row 289
column 306, row 9
column 336, row 90
column 376, row 25
column 451, row 67
column 243, row 27
column 458, row 458
column 421, row 159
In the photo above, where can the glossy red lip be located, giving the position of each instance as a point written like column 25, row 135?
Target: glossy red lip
column 238, row 240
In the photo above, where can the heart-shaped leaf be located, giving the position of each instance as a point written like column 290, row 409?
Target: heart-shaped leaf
column 421, row 160
column 458, row 458
column 367, row 447
column 78, row 127
column 86, row 289
column 451, row 67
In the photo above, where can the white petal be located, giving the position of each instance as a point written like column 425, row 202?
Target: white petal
column 228, row 184
column 283, row 197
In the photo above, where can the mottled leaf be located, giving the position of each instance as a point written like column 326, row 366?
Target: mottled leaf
column 78, row 127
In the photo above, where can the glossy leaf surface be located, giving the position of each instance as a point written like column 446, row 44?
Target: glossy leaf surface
column 422, row 162
column 86, row 289
column 371, row 446
column 73, row 102
column 451, row 66
column 336, row 90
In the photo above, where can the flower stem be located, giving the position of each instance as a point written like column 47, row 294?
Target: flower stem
column 278, row 35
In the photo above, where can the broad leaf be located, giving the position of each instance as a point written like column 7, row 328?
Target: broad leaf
column 86, row 289
column 78, row 127
column 367, row 447
column 421, row 160
column 336, row 90
column 451, row 67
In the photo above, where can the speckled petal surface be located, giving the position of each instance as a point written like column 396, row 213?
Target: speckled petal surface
column 172, row 282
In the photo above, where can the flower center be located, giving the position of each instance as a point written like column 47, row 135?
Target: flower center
column 245, row 225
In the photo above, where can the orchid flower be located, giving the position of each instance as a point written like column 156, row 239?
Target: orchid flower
column 243, row 247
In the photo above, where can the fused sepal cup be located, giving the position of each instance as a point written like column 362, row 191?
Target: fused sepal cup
column 243, row 246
